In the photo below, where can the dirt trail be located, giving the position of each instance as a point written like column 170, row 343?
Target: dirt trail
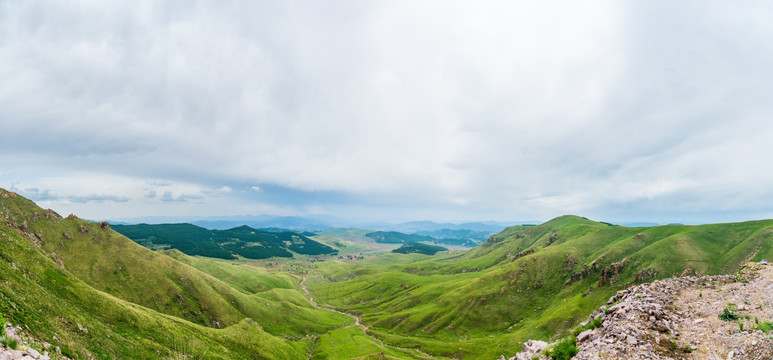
column 751, row 299
column 364, row 328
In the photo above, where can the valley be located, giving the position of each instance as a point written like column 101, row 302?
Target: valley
column 340, row 294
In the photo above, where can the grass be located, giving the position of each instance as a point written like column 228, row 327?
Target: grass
column 527, row 282
column 126, row 296
column 10, row 343
column 563, row 350
column 765, row 326
column 492, row 297
column 728, row 315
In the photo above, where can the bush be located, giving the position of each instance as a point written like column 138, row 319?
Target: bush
column 728, row 315
column 564, row 350
column 2, row 320
column 593, row 324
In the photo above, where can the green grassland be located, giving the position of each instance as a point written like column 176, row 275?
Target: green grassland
column 526, row 282
column 352, row 241
column 61, row 274
column 136, row 303
column 38, row 294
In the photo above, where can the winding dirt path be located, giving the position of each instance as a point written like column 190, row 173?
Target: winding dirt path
column 362, row 326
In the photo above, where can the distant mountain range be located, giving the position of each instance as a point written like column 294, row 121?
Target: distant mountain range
column 468, row 234
column 318, row 223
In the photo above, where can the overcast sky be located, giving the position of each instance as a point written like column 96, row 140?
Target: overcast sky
column 619, row 111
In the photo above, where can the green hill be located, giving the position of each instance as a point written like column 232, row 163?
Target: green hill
column 419, row 248
column 63, row 274
column 225, row 244
column 527, row 281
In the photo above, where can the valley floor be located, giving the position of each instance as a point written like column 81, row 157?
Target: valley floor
column 413, row 353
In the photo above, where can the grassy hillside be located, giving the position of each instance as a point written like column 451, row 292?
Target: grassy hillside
column 63, row 274
column 137, row 303
column 40, row 293
column 528, row 281
column 243, row 241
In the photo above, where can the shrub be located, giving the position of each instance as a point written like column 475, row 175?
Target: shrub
column 593, row 324
column 728, row 315
column 564, row 350
column 2, row 320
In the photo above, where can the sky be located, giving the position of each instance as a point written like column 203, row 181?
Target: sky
column 620, row 111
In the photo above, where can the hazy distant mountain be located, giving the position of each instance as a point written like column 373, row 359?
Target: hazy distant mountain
column 295, row 223
column 417, row 226
column 319, row 223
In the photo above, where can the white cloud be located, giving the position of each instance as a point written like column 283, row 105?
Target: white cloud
column 498, row 109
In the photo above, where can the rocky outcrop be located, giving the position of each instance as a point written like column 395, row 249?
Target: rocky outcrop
column 610, row 274
column 584, row 273
column 23, row 349
column 678, row 318
column 645, row 274
column 649, row 321
column 521, row 254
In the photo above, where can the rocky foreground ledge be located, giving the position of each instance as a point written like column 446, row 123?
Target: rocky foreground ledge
column 679, row 318
column 23, row 350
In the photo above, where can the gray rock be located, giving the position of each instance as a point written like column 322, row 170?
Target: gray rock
column 34, row 353
column 631, row 340
column 584, row 335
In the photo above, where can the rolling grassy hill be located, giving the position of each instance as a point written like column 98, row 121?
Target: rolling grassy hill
column 63, row 273
column 527, row 281
column 243, row 241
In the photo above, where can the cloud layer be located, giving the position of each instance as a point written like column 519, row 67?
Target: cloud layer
column 390, row 110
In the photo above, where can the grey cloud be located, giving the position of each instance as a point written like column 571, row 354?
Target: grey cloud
column 503, row 109
column 97, row 198
column 167, row 196
column 37, row 194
